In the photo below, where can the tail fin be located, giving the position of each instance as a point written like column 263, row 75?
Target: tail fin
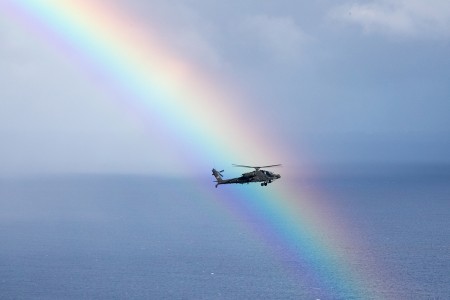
column 218, row 176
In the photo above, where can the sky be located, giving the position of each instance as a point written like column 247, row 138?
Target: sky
column 338, row 82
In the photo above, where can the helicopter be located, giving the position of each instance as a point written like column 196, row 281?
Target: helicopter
column 258, row 175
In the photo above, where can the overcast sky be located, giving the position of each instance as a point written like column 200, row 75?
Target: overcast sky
column 343, row 81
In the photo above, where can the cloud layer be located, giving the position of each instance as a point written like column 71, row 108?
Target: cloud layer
column 409, row 18
column 299, row 64
column 280, row 37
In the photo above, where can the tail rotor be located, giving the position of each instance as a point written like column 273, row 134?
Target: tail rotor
column 218, row 175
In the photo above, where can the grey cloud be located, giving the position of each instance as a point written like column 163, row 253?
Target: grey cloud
column 412, row 18
column 197, row 46
column 280, row 37
column 186, row 29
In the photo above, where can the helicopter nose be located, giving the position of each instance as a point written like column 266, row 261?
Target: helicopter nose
column 278, row 176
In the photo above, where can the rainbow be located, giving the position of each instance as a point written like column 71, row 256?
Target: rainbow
column 202, row 114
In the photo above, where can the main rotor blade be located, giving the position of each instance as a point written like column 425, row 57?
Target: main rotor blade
column 257, row 168
column 278, row 165
column 234, row 165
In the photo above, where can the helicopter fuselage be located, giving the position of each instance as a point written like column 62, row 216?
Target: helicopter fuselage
column 258, row 175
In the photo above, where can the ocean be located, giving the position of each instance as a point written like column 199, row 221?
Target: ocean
column 144, row 237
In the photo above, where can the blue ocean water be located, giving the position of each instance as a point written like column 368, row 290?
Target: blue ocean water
column 129, row 236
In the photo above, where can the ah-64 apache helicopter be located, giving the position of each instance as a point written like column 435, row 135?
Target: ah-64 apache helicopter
column 258, row 175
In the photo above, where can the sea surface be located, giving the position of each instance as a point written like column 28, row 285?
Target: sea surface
column 142, row 237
